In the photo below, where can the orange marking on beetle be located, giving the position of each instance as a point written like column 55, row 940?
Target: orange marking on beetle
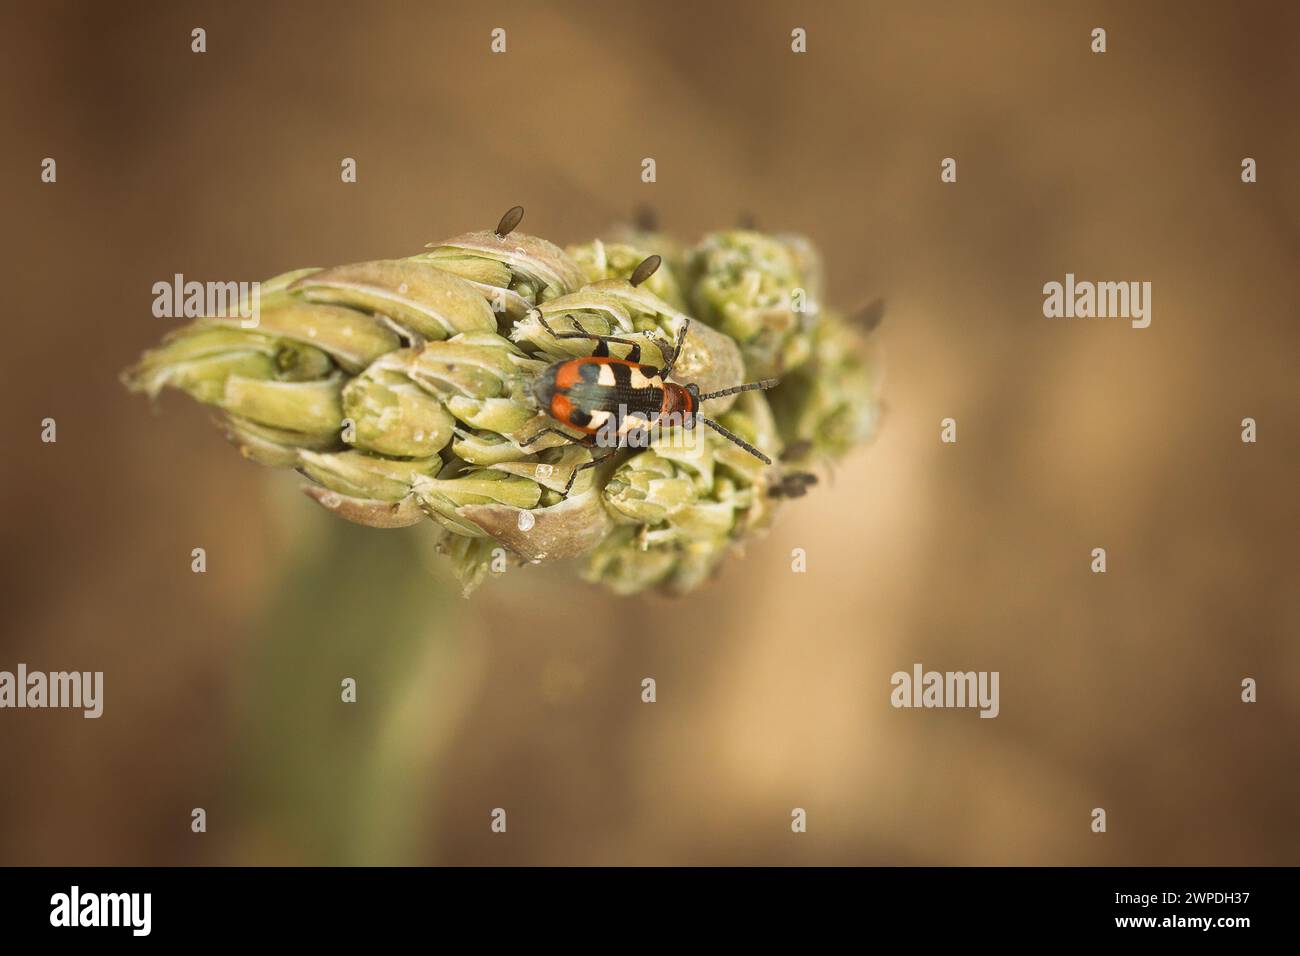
column 568, row 373
column 566, row 376
column 561, row 410
column 561, row 407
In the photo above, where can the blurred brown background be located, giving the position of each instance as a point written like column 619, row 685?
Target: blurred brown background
column 1117, row 690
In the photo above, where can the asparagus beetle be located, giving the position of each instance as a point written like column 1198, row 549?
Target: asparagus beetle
column 609, row 400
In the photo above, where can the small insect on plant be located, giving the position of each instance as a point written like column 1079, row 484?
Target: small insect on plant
column 615, row 402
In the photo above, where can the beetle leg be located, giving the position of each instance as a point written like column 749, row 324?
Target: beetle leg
column 546, row 325
column 677, row 349
column 664, row 346
column 602, row 348
column 588, row 440
column 584, row 466
column 604, row 341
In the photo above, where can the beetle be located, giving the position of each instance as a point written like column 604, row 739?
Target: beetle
column 608, row 400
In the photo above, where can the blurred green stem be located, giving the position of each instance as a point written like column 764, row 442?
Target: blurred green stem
column 326, row 782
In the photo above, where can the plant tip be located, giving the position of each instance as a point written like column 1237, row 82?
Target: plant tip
column 645, row 270
column 510, row 221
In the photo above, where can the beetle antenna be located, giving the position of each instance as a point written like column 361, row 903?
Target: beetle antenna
column 735, row 438
column 645, row 270
column 514, row 215
column 763, row 385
